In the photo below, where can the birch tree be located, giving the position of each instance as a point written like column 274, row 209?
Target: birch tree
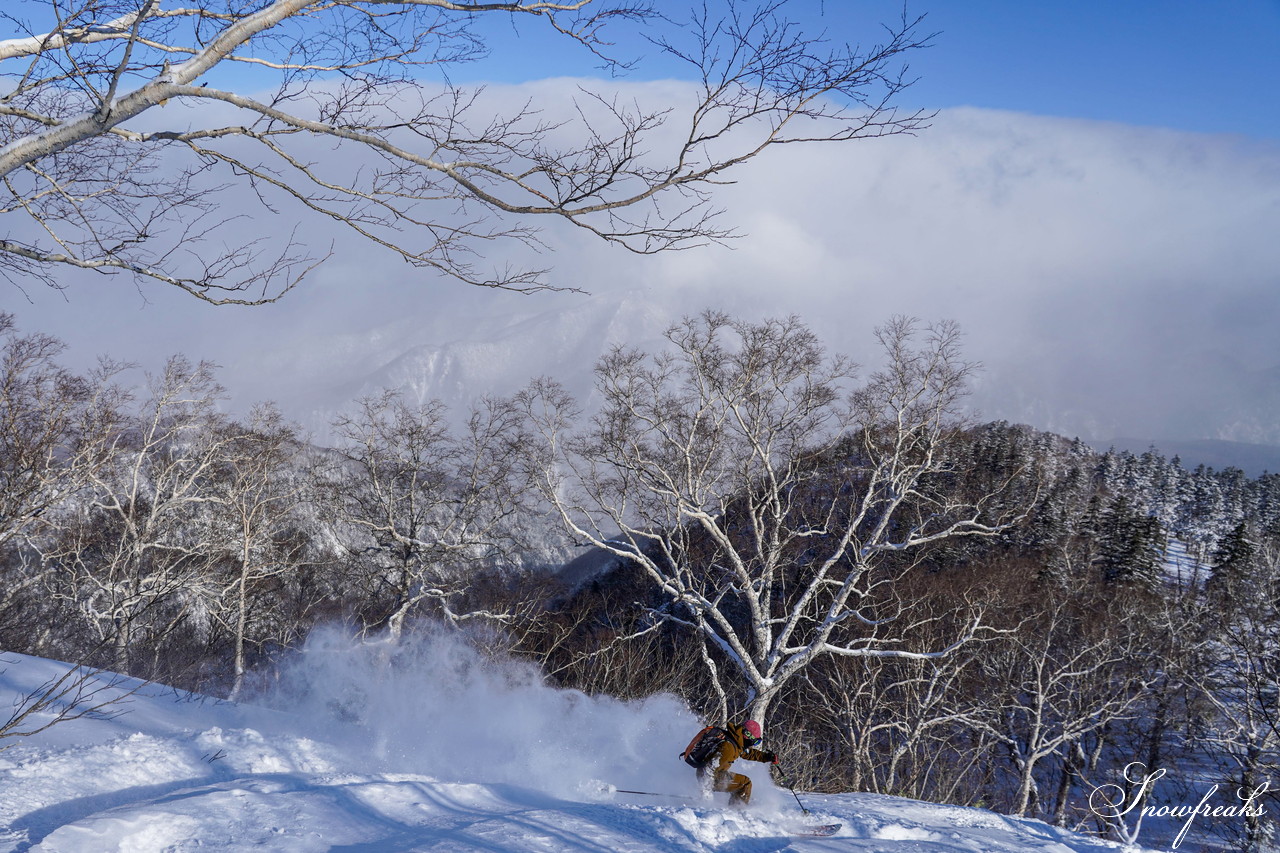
column 425, row 506
column 139, row 544
column 256, row 495
column 900, row 727
column 128, row 126
column 38, row 401
column 56, row 431
column 1065, row 677
column 52, row 426
column 770, row 500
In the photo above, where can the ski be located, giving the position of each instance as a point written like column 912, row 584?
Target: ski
column 817, row 831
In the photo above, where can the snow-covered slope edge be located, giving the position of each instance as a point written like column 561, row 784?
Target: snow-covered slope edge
column 178, row 772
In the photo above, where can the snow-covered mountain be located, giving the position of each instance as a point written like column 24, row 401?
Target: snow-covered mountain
column 423, row 746
column 463, row 352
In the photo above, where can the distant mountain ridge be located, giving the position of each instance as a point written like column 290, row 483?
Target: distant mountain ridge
column 463, row 353
column 1254, row 459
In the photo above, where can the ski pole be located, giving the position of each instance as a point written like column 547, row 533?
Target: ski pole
column 650, row 794
column 787, row 782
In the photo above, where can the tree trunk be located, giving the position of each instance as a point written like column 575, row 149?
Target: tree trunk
column 758, row 709
column 1064, row 787
column 120, row 647
column 242, row 619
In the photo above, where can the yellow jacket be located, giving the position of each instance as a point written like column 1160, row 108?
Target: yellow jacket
column 735, row 747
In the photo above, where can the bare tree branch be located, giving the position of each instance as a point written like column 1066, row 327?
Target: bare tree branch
column 345, row 110
column 768, row 501
column 80, row 691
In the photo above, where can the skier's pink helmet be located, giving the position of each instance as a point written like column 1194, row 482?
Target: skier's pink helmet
column 752, row 728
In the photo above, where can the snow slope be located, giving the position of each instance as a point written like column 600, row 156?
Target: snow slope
column 422, row 746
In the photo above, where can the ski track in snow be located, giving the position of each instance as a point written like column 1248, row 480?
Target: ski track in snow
column 180, row 775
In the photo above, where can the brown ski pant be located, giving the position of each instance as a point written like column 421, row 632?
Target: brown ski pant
column 737, row 786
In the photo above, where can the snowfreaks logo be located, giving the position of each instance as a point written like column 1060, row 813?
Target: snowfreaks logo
column 1114, row 802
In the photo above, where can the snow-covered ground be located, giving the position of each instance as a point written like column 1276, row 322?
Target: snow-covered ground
column 1181, row 567
column 422, row 746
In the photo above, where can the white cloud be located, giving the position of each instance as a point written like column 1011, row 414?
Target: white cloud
column 1114, row 280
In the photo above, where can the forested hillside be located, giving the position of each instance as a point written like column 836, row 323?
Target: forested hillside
column 978, row 614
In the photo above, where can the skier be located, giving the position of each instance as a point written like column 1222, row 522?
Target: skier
column 739, row 741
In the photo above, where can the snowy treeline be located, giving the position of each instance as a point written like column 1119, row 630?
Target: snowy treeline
column 1084, row 611
column 146, row 530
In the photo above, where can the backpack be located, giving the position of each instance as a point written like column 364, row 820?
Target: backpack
column 703, row 746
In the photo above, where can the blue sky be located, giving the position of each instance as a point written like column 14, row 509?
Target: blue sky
column 1186, row 64
column 1191, row 65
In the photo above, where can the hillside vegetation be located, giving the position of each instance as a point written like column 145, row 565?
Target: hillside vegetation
column 971, row 614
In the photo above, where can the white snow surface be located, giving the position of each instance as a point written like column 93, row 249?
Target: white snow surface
column 424, row 745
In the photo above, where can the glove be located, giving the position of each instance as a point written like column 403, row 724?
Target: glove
column 771, row 757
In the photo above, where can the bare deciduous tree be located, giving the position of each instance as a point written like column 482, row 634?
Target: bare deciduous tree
column 901, row 726
column 428, row 506
column 56, row 429
column 141, row 535
column 1065, row 676
column 768, row 500
column 256, row 494
column 124, row 119
column 49, row 421
column 1243, row 683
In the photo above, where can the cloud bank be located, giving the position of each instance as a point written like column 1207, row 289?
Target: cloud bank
column 1113, row 280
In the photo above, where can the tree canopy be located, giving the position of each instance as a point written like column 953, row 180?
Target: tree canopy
column 130, row 147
